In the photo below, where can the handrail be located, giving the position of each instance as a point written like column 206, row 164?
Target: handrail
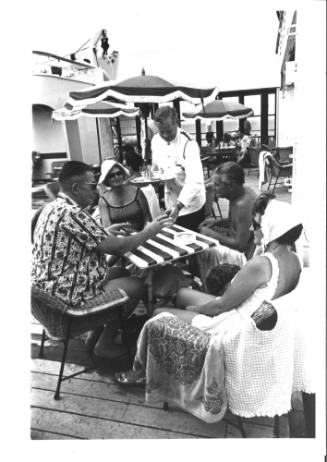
column 45, row 53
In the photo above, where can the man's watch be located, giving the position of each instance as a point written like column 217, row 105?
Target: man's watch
column 179, row 205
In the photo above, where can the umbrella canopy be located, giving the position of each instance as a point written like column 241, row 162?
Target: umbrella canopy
column 142, row 89
column 100, row 109
column 220, row 110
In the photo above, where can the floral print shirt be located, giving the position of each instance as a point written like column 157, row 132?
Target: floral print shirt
column 66, row 263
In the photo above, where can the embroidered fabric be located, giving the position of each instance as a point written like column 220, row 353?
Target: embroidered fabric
column 183, row 366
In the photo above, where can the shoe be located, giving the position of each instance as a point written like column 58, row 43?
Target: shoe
column 122, row 379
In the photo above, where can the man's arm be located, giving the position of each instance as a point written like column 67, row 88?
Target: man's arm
column 194, row 181
column 252, row 276
column 114, row 245
column 239, row 238
column 104, row 213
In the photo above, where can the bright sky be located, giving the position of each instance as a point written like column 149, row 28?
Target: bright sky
column 228, row 45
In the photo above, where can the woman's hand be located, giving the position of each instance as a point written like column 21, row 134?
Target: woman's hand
column 193, row 308
column 211, row 308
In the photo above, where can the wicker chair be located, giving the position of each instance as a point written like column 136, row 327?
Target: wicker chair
column 62, row 322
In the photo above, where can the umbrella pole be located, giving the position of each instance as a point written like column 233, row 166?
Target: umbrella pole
column 120, row 144
column 99, row 141
column 138, row 132
column 147, row 153
column 178, row 110
column 219, row 132
column 198, row 131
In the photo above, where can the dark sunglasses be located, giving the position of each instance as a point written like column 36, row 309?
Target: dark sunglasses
column 112, row 175
column 255, row 225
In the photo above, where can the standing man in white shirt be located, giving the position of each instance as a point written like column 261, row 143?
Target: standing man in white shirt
column 178, row 155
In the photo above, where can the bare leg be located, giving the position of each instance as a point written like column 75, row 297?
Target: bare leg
column 184, row 315
column 187, row 297
column 105, row 347
column 184, row 298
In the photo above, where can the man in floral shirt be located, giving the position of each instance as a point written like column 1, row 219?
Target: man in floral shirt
column 69, row 246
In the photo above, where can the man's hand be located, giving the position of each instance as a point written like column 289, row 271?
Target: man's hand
column 122, row 229
column 159, row 222
column 209, row 222
column 209, row 232
column 174, row 211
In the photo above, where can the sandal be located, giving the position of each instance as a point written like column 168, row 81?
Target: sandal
column 122, row 379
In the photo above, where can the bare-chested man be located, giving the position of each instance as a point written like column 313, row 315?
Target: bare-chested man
column 234, row 233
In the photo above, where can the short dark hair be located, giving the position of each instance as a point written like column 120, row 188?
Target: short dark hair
column 290, row 236
column 261, row 202
column 232, row 170
column 165, row 112
column 220, row 276
column 71, row 169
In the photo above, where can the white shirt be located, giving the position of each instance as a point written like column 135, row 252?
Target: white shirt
column 180, row 159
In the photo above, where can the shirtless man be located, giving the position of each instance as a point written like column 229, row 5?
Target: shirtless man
column 234, row 233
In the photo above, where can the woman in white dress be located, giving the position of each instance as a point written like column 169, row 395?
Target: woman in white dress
column 267, row 276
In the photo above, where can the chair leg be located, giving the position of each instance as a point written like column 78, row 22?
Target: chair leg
column 276, row 431
column 241, row 426
column 63, row 360
column 41, row 352
column 309, row 409
column 218, row 206
column 277, row 176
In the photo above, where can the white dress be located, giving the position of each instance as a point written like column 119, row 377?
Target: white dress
column 234, row 317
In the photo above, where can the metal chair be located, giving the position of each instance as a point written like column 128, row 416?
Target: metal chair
column 62, row 322
column 278, row 170
column 284, row 155
column 254, row 158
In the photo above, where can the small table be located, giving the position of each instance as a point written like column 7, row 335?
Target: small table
column 144, row 181
column 163, row 249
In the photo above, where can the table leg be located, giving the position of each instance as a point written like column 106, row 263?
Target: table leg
column 201, row 273
column 150, row 294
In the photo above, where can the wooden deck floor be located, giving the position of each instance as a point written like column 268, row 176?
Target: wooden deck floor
column 92, row 406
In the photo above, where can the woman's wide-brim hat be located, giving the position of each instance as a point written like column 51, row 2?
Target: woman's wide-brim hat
column 108, row 165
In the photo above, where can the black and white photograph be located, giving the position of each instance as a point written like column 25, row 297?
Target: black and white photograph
column 173, row 191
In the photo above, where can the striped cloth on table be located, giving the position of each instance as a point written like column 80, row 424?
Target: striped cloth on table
column 164, row 249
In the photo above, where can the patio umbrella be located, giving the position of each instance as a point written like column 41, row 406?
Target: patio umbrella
column 100, row 109
column 142, row 89
column 220, row 110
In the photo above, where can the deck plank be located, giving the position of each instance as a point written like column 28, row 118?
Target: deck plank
column 101, row 400
column 94, row 427
column 46, row 435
